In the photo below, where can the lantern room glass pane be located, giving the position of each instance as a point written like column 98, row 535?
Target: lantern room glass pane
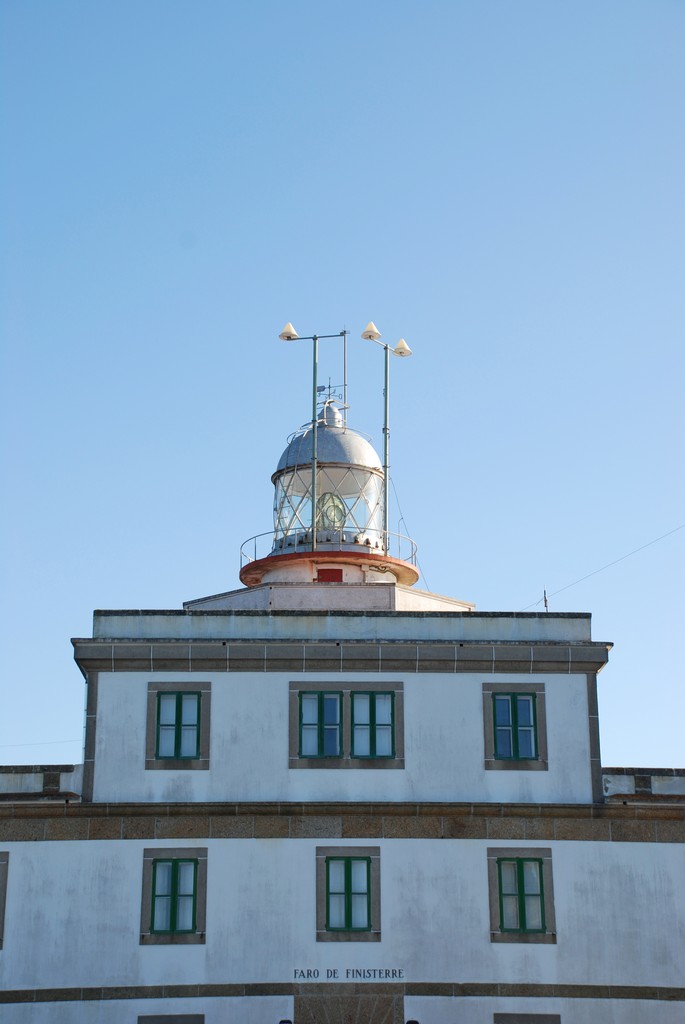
column 349, row 506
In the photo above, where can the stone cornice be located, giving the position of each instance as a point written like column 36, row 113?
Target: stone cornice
column 268, row 655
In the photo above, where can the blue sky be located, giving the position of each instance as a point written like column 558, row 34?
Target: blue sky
column 499, row 183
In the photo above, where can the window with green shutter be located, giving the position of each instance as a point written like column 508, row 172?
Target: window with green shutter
column 521, row 897
column 348, row 894
column 178, row 725
column 373, row 724
column 320, row 724
column 515, row 726
column 174, row 896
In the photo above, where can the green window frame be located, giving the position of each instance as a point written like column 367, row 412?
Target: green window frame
column 521, row 894
column 514, row 717
column 178, row 725
column 321, row 721
column 373, row 723
column 348, row 894
column 174, row 897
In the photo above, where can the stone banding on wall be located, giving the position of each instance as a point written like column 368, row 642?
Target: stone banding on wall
column 659, row 823
column 450, row 989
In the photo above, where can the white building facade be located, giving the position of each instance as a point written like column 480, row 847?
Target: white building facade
column 330, row 797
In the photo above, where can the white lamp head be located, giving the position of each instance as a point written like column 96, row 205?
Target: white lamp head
column 288, row 333
column 371, row 332
column 401, row 348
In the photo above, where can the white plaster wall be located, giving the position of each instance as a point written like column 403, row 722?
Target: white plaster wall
column 618, row 784
column 21, row 782
column 493, row 626
column 72, row 781
column 248, row 1010
column 32, row 782
column 443, row 730
column 666, row 785
column 73, row 916
column 442, row 1010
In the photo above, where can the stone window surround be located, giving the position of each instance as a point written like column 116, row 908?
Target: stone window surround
column 152, row 762
column 526, row 1018
column 148, row 938
column 522, row 853
column 322, row 853
column 521, row 764
column 346, row 689
column 4, row 866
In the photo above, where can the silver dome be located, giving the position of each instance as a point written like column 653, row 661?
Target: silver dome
column 335, row 444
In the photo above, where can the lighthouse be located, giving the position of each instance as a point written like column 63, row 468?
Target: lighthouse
column 330, row 545
column 337, row 535
column 329, row 796
column 331, row 497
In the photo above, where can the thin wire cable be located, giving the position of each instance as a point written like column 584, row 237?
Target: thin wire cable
column 607, row 566
column 403, row 520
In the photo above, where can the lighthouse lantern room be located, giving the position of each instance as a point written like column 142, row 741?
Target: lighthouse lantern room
column 330, row 502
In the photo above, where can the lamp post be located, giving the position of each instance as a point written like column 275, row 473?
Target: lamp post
column 371, row 333
column 290, row 334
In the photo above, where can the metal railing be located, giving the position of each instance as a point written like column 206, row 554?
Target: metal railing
column 264, row 544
